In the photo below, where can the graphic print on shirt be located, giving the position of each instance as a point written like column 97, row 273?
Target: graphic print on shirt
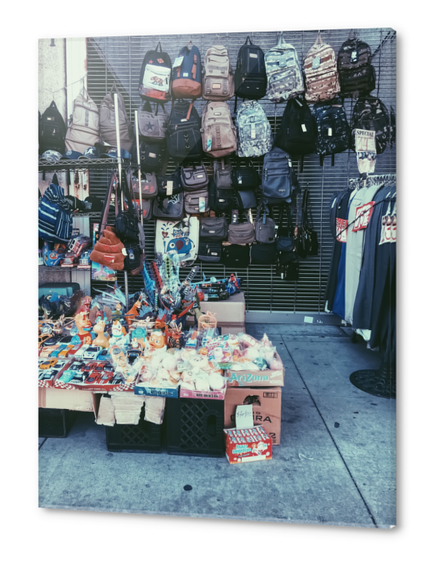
column 363, row 216
column 341, row 230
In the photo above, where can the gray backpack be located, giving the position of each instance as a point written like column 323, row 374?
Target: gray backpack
column 284, row 74
column 254, row 136
column 83, row 130
column 265, row 226
column 152, row 125
column 107, row 124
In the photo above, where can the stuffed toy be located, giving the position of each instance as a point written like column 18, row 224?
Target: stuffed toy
column 108, row 250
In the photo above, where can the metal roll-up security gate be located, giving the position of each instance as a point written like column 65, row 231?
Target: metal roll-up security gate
column 268, row 298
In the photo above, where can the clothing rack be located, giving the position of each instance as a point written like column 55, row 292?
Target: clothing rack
column 366, row 181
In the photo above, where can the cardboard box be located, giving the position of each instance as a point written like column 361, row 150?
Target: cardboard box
column 210, row 395
column 231, row 311
column 167, row 392
column 256, row 378
column 68, row 400
column 266, row 406
column 231, row 328
column 247, row 445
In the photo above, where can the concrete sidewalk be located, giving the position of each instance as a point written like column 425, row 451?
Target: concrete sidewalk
column 336, row 464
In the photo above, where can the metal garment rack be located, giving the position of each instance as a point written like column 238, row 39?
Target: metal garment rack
column 368, row 180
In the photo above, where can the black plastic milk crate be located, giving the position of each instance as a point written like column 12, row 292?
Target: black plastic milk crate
column 54, row 422
column 141, row 438
column 194, row 427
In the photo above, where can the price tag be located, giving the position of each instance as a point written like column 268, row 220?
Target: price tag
column 244, row 417
column 202, row 204
column 253, row 133
column 304, row 128
column 316, row 62
column 178, row 61
column 330, row 132
column 169, row 188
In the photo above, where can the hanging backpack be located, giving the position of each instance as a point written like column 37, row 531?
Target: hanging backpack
column 221, row 200
column 83, row 130
column 284, row 75
column 222, row 173
column 152, row 124
column 244, row 177
column 219, row 135
column 321, row 75
column 250, row 78
column 52, row 130
column 277, row 177
column 332, row 128
column 153, row 155
column 217, row 79
column 356, row 73
column 254, row 135
column 371, row 114
column 184, row 131
column 297, row 132
column 155, row 76
column 186, row 82
column 107, row 122
column 54, row 214
column 265, row 226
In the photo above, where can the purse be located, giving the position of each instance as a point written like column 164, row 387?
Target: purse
column 178, row 237
column 149, row 187
column 170, row 208
column 196, row 202
column 210, row 252
column 194, row 178
column 221, row 200
column 213, row 229
column 264, row 254
column 241, row 232
column 246, row 200
column 234, row 256
column 265, row 226
column 305, row 238
column 245, row 177
column 126, row 222
column 222, row 173
column 169, row 185
column 284, row 240
column 152, row 125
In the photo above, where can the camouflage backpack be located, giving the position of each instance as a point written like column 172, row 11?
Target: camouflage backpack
column 254, row 136
column 332, row 127
column 284, row 75
column 321, row 73
column 371, row 114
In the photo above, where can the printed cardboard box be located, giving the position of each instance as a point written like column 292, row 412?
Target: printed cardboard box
column 256, row 378
column 167, row 392
column 266, row 405
column 210, row 395
column 247, row 445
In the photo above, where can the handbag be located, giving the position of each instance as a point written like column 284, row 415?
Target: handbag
column 265, row 226
column 284, row 240
column 196, row 202
column 246, row 200
column 169, row 208
column 149, row 187
column 169, row 185
column 126, row 222
column 213, row 229
column 194, row 178
column 241, row 232
column 234, row 256
column 222, row 173
column 210, row 251
column 152, row 125
column 305, row 238
column 264, row 254
column 245, row 177
column 178, row 237
column 221, row 200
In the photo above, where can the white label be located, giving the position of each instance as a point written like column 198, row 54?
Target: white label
column 183, row 120
column 200, row 175
column 308, row 319
column 303, row 128
column 253, row 55
column 244, row 417
column 185, row 74
column 290, row 163
column 202, row 205
column 330, row 132
column 152, row 155
column 178, row 62
column 253, row 134
column 169, row 187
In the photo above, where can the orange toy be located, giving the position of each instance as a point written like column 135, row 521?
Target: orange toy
column 133, row 312
column 101, row 339
column 156, row 340
column 81, row 322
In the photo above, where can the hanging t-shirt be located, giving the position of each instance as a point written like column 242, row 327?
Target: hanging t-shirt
column 362, row 310
column 361, row 210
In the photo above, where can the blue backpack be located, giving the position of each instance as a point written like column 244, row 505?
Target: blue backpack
column 55, row 217
column 187, row 73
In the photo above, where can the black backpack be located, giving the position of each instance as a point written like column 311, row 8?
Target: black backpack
column 371, row 114
column 356, row 73
column 155, row 76
column 184, row 132
column 332, row 128
column 221, row 200
column 297, row 133
column 250, row 77
column 52, row 130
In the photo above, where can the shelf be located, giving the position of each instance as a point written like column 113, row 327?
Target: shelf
column 66, row 165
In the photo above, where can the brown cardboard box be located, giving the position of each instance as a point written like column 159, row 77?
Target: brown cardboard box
column 231, row 311
column 231, row 328
column 248, row 378
column 79, row 400
column 266, row 405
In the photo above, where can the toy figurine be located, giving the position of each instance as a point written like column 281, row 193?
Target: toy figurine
column 119, row 334
column 101, row 339
column 83, row 324
column 156, row 340
column 133, row 312
column 97, row 313
column 118, row 312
